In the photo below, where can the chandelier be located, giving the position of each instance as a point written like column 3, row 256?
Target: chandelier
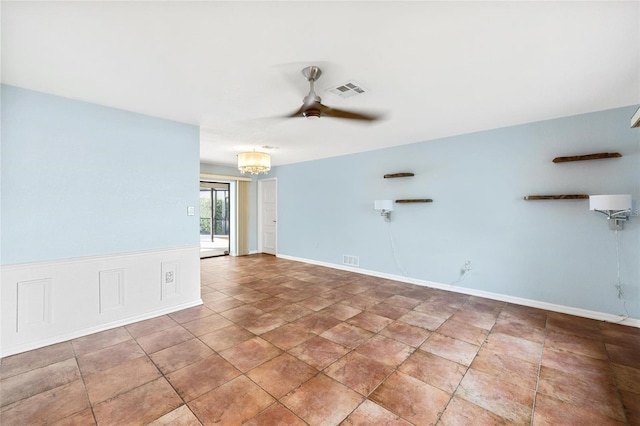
column 254, row 162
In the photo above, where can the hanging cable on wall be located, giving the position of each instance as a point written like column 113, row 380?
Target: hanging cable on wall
column 618, row 284
column 463, row 273
column 394, row 252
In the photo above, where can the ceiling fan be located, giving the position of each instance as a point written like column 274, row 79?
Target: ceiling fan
column 313, row 108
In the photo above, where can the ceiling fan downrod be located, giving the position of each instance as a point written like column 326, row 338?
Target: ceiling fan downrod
column 311, row 73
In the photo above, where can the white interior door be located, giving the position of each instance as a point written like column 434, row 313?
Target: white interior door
column 268, row 205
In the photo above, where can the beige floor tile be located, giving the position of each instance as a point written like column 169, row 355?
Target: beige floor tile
column 322, row 401
column 281, row 374
column 370, row 413
column 140, row 405
column 411, row 399
column 232, row 403
column 507, row 400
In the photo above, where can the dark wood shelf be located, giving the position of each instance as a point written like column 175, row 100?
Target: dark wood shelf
column 597, row 156
column 417, row 200
column 557, row 197
column 397, row 175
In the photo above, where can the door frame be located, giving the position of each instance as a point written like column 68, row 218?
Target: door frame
column 260, row 211
column 238, row 209
column 231, row 247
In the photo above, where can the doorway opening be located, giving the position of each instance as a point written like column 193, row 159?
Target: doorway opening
column 214, row 219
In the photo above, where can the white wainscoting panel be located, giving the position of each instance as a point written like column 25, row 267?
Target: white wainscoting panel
column 48, row 302
column 34, row 304
column 111, row 289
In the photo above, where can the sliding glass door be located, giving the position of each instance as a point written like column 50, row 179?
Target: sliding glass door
column 214, row 219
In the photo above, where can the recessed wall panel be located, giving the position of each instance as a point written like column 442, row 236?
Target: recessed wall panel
column 111, row 289
column 34, row 304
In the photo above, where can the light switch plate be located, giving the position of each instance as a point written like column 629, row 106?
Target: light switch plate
column 191, row 211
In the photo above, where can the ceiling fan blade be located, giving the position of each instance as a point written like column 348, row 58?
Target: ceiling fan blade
column 350, row 115
column 298, row 113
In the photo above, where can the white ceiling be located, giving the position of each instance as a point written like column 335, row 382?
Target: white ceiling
column 435, row 68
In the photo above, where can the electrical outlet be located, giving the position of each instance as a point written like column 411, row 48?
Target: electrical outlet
column 170, row 279
column 620, row 292
column 464, row 270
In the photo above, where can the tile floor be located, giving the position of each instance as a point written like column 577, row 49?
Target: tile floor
column 284, row 343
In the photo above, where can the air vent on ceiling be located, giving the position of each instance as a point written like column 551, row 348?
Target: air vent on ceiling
column 347, row 90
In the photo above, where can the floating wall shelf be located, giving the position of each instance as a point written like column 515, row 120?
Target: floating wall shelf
column 397, row 175
column 557, row 197
column 417, row 200
column 597, row 156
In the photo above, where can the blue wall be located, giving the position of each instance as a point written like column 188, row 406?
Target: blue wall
column 551, row 251
column 80, row 179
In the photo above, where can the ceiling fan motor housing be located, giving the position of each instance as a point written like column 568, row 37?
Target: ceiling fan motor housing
column 311, row 113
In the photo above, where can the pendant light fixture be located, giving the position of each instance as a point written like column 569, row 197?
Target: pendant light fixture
column 254, row 162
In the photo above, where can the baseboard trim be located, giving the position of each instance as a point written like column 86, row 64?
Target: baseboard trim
column 248, row 254
column 600, row 316
column 96, row 329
